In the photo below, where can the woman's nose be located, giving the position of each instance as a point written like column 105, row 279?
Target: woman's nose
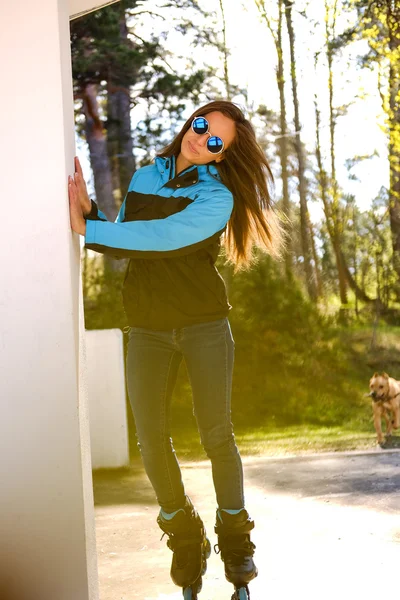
column 203, row 139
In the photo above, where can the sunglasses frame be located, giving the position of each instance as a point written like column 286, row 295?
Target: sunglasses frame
column 211, row 136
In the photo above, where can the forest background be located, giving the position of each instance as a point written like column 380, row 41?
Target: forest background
column 320, row 81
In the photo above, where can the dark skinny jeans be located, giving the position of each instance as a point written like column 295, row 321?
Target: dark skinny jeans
column 153, row 360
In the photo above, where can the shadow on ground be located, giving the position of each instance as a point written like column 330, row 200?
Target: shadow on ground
column 353, row 479
column 122, row 486
column 391, row 442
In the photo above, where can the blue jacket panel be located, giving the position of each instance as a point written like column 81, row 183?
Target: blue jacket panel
column 170, row 227
column 193, row 209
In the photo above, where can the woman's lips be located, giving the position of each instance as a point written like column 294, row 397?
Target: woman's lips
column 191, row 148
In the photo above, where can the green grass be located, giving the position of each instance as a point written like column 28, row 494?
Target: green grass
column 274, row 441
column 303, row 439
column 326, row 396
column 295, row 439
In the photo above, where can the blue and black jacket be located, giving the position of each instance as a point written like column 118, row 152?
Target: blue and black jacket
column 170, row 227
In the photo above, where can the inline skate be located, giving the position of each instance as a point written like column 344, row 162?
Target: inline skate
column 190, row 546
column 233, row 529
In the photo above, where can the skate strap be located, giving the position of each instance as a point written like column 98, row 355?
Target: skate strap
column 234, row 555
column 234, row 528
column 175, row 543
column 234, row 545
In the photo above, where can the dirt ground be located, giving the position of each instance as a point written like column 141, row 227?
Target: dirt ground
column 327, row 526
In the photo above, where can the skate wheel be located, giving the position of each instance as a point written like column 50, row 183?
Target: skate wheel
column 188, row 594
column 241, row 593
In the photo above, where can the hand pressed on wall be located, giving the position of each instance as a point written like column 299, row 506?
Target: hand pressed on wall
column 83, row 196
column 78, row 223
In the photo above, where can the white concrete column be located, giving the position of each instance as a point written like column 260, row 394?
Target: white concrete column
column 47, row 542
column 107, row 398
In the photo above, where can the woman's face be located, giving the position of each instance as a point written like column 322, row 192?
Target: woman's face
column 194, row 145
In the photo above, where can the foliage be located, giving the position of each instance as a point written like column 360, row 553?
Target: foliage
column 294, row 364
column 102, row 293
column 101, row 55
column 291, row 364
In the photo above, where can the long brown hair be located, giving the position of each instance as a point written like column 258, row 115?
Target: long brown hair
column 246, row 173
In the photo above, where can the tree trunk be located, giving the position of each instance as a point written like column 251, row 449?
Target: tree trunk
column 283, row 145
column 394, row 148
column 335, row 208
column 317, row 270
column 304, row 229
column 359, row 291
column 119, row 138
column 119, row 130
column 344, row 275
column 99, row 161
column 355, row 266
column 283, row 137
column 100, row 164
column 225, row 54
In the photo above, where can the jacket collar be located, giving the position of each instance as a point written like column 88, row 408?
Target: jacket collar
column 188, row 177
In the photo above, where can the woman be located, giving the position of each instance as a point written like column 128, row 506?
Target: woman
column 211, row 178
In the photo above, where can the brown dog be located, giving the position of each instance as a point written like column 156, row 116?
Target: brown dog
column 385, row 394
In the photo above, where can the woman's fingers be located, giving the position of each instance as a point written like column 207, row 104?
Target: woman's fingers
column 75, row 210
column 78, row 167
column 72, row 191
column 79, row 183
column 73, row 196
column 71, row 188
column 81, row 188
column 78, row 175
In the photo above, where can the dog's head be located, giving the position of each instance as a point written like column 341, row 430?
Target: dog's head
column 379, row 386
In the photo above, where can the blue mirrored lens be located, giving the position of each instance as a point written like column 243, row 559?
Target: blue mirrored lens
column 200, row 125
column 215, row 144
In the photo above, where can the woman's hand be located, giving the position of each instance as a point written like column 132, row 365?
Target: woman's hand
column 78, row 223
column 81, row 190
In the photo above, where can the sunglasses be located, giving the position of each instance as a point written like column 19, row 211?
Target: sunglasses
column 214, row 143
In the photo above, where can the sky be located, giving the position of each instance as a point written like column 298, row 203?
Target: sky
column 253, row 60
column 252, row 64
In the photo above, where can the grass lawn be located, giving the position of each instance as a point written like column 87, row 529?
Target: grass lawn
column 342, row 403
column 299, row 439
column 291, row 440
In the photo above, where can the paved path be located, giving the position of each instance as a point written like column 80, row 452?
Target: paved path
column 327, row 527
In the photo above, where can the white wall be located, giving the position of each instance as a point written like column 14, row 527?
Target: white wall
column 107, row 398
column 47, row 542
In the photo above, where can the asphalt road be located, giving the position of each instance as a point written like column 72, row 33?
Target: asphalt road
column 327, row 526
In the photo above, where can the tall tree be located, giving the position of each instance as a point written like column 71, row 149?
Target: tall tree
column 276, row 33
column 334, row 217
column 119, row 135
column 304, row 217
column 107, row 54
column 379, row 24
column 225, row 53
column 101, row 54
column 331, row 13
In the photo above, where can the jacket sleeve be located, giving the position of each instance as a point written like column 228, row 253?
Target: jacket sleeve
column 202, row 221
column 95, row 214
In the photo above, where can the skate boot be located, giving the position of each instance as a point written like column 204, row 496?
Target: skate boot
column 233, row 530
column 191, row 548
